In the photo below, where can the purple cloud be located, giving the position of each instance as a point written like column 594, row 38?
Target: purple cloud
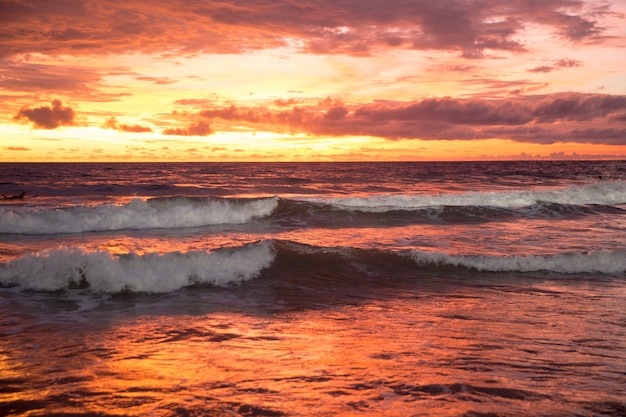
column 592, row 118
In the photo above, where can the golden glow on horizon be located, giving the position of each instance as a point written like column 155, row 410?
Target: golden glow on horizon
column 93, row 144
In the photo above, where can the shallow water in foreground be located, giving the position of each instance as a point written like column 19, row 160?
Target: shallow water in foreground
column 441, row 346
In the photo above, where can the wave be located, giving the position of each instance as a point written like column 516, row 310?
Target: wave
column 461, row 208
column 371, row 260
column 392, row 209
column 606, row 193
column 288, row 262
column 155, row 213
column 309, row 214
column 604, row 262
column 73, row 268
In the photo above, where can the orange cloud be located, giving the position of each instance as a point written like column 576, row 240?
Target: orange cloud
column 197, row 129
column 113, row 123
column 45, row 117
column 560, row 64
column 16, row 148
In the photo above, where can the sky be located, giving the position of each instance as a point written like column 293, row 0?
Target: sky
column 323, row 80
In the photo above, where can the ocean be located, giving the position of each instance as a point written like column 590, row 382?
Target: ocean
column 472, row 289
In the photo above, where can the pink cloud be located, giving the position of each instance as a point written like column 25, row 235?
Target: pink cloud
column 560, row 64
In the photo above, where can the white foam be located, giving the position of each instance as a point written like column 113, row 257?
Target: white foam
column 604, row 193
column 606, row 262
column 58, row 269
column 137, row 214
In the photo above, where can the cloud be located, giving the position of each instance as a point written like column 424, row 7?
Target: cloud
column 588, row 118
column 29, row 77
column 200, row 128
column 579, row 107
column 280, row 102
column 336, row 113
column 157, row 80
column 45, row 117
column 560, row 64
column 78, row 27
column 16, row 148
column 113, row 123
column 81, row 83
column 493, row 87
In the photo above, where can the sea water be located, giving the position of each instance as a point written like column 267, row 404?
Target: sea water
column 299, row 289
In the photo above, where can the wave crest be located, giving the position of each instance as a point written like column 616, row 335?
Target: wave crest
column 156, row 213
column 602, row 193
column 605, row 262
column 286, row 263
column 59, row 269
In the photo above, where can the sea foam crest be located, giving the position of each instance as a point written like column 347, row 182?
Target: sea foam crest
column 137, row 214
column 58, row 269
column 604, row 193
column 605, row 262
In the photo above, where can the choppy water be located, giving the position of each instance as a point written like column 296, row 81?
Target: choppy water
column 399, row 289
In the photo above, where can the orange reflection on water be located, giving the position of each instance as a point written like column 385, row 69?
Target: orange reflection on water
column 483, row 346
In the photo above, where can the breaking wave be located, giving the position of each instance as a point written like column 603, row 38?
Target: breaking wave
column 68, row 268
column 609, row 193
column 155, row 213
column 73, row 268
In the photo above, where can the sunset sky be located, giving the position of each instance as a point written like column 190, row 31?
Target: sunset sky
column 323, row 80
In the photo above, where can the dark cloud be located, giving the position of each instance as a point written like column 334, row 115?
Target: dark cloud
column 606, row 135
column 567, row 63
column 448, row 110
column 200, row 128
column 336, row 113
column 578, row 107
column 45, row 117
column 542, row 68
column 560, row 64
column 321, row 26
column 618, row 117
column 113, row 123
column 589, row 118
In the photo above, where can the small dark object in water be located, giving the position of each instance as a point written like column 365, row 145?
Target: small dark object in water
column 19, row 196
